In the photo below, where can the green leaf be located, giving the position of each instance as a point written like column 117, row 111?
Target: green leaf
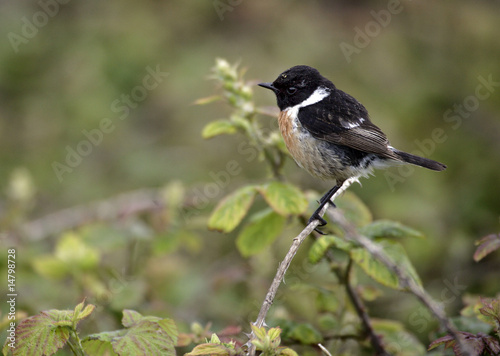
column 491, row 310
column 261, row 231
column 232, row 209
column 284, row 198
column 306, row 334
column 209, row 349
column 389, row 229
column 284, row 351
column 354, row 208
column 274, row 334
column 486, row 245
column 105, row 336
column 41, row 335
column 98, row 347
column 218, row 127
column 396, row 340
column 324, row 243
column 260, row 333
column 81, row 313
column 144, row 338
column 378, row 271
column 130, row 317
column 144, row 335
column 168, row 325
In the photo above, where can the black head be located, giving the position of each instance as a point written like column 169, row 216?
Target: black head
column 296, row 84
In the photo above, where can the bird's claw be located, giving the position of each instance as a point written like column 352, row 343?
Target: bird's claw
column 322, row 222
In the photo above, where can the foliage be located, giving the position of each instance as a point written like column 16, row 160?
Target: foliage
column 334, row 310
column 479, row 310
column 45, row 333
column 264, row 226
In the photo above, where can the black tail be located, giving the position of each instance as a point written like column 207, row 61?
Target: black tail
column 420, row 161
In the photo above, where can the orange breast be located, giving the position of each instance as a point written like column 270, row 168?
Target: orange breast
column 290, row 136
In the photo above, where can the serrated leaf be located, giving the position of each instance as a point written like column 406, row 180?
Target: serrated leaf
column 323, row 244
column 80, row 313
column 284, row 198
column 274, row 333
column 260, row 333
column 306, row 334
column 491, row 310
column 389, row 229
column 445, row 340
column 144, row 338
column 486, row 245
column 219, row 127
column 168, row 325
column 378, row 271
column 40, row 335
column 214, row 339
column 260, row 232
column 232, row 209
column 207, row 100
column 209, row 349
column 130, row 317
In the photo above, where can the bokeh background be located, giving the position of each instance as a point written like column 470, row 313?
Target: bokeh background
column 66, row 69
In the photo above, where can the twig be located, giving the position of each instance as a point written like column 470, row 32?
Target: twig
column 327, row 353
column 375, row 250
column 363, row 315
column 123, row 205
column 283, row 267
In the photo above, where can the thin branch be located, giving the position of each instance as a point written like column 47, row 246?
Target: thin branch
column 375, row 250
column 123, row 205
column 325, row 351
column 283, row 267
column 363, row 315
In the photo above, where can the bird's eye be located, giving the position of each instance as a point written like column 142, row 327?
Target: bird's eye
column 291, row 90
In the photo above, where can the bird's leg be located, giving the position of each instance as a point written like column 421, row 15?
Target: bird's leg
column 322, row 202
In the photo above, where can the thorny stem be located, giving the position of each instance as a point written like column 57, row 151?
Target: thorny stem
column 337, row 217
column 283, row 267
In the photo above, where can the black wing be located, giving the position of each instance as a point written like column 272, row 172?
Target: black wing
column 342, row 120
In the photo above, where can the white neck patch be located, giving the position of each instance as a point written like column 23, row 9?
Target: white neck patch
column 318, row 95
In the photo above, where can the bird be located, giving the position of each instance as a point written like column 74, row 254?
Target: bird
column 329, row 133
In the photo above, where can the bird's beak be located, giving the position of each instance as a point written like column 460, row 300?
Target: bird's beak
column 268, row 86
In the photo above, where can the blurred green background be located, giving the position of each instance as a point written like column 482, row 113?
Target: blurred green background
column 67, row 69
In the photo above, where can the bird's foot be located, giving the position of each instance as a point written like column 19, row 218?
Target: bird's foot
column 322, row 222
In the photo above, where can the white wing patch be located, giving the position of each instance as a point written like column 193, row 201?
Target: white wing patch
column 351, row 125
